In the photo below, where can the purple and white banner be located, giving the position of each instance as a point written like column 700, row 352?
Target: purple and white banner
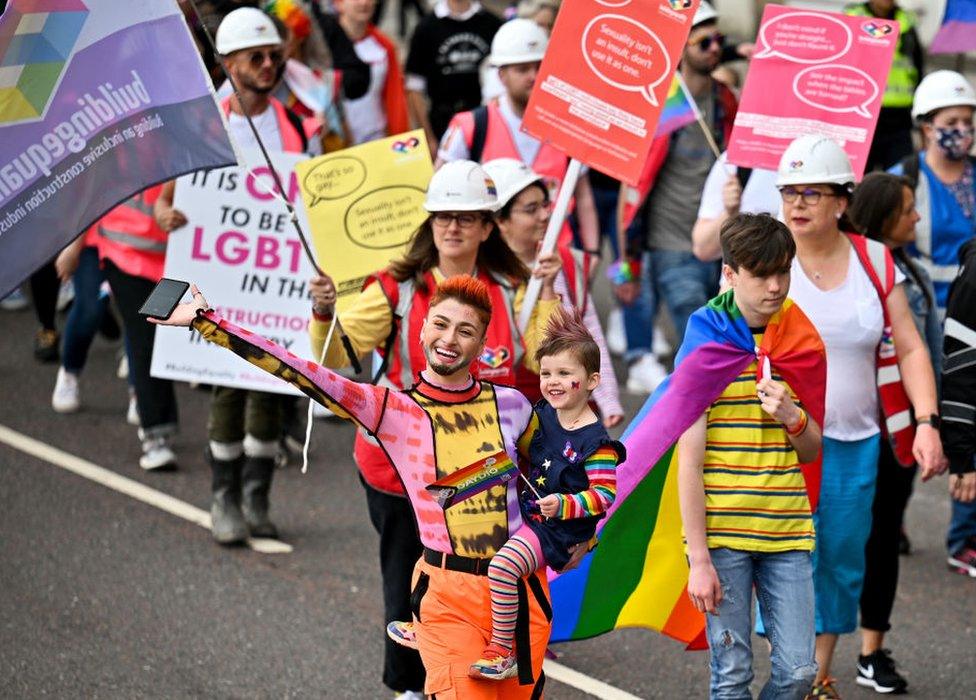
column 99, row 99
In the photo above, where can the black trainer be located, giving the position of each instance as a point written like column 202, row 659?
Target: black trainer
column 877, row 671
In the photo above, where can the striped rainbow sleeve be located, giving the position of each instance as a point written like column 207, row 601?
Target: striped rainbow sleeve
column 601, row 469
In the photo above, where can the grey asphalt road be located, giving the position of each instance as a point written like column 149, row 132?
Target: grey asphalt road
column 105, row 597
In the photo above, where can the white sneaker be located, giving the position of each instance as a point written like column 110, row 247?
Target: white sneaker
column 123, row 370
column 660, row 345
column 132, row 414
column 66, row 398
column 66, row 295
column 645, row 374
column 410, row 695
column 156, row 454
column 15, row 301
column 616, row 335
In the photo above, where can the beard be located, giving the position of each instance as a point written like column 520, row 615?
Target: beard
column 440, row 369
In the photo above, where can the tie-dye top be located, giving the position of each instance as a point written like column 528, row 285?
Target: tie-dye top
column 427, row 432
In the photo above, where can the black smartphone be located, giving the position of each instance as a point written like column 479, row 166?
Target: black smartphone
column 164, row 298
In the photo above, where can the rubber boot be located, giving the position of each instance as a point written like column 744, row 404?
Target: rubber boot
column 228, row 525
column 255, row 487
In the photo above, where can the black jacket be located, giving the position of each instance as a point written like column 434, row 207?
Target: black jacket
column 959, row 371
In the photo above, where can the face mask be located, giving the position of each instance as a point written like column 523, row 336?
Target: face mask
column 954, row 142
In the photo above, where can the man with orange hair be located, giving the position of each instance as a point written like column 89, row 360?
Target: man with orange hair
column 446, row 421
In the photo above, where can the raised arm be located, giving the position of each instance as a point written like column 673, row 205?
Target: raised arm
column 362, row 403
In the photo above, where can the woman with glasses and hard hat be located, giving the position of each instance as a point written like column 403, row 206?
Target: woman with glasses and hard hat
column 877, row 364
column 522, row 216
column 459, row 238
column 945, row 190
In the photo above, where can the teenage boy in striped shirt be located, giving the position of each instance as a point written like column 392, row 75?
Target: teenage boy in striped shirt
column 746, row 514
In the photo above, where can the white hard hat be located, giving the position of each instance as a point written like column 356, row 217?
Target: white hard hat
column 245, row 28
column 510, row 176
column 813, row 159
column 704, row 13
column 943, row 88
column 518, row 41
column 461, row 185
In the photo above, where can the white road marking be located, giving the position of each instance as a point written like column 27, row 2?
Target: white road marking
column 580, row 681
column 181, row 509
column 124, row 485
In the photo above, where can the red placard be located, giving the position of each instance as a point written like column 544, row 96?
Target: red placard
column 605, row 78
column 812, row 72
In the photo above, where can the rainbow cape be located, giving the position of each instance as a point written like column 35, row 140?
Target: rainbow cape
column 638, row 575
column 473, row 479
column 677, row 112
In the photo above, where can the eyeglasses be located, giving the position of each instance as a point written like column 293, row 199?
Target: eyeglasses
column 809, row 195
column 534, row 208
column 257, row 58
column 705, row 43
column 464, row 219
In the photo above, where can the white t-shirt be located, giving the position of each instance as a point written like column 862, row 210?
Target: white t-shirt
column 850, row 320
column 760, row 195
column 366, row 115
column 266, row 124
column 454, row 147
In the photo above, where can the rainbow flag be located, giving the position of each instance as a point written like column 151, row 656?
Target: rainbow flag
column 678, row 110
column 473, row 479
column 638, row 575
column 958, row 31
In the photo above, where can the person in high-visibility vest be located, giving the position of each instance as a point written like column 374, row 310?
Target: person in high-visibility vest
column 245, row 427
column 893, row 134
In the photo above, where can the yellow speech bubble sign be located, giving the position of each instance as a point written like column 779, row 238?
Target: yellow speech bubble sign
column 335, row 178
column 385, row 217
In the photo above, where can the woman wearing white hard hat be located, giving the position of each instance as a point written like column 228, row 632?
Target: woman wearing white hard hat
column 459, row 237
column 945, row 193
column 851, row 290
column 523, row 213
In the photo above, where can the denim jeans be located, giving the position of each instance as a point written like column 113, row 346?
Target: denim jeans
column 683, row 282
column 605, row 200
column 639, row 317
column 962, row 527
column 86, row 311
column 784, row 589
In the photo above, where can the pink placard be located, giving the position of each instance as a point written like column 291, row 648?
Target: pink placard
column 812, row 72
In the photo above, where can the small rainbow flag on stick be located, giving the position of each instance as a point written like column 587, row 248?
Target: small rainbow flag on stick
column 473, row 479
column 678, row 110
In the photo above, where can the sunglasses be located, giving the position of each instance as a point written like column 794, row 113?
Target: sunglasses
column 705, row 43
column 257, row 58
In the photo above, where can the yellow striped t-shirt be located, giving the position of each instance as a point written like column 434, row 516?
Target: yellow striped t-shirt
column 755, row 496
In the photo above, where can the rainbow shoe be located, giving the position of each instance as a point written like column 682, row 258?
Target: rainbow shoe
column 495, row 664
column 403, row 633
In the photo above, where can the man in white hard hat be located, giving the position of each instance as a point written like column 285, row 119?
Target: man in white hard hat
column 669, row 194
column 495, row 130
column 245, row 427
column 943, row 172
column 442, row 69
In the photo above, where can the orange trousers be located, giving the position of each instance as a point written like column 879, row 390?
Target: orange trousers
column 455, row 627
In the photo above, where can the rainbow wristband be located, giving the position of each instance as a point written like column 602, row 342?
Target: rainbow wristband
column 800, row 426
column 620, row 272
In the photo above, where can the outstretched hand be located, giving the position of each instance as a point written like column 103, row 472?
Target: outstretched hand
column 184, row 314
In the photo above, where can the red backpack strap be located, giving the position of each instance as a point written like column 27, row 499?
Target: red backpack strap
column 877, row 262
column 391, row 290
column 896, row 407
